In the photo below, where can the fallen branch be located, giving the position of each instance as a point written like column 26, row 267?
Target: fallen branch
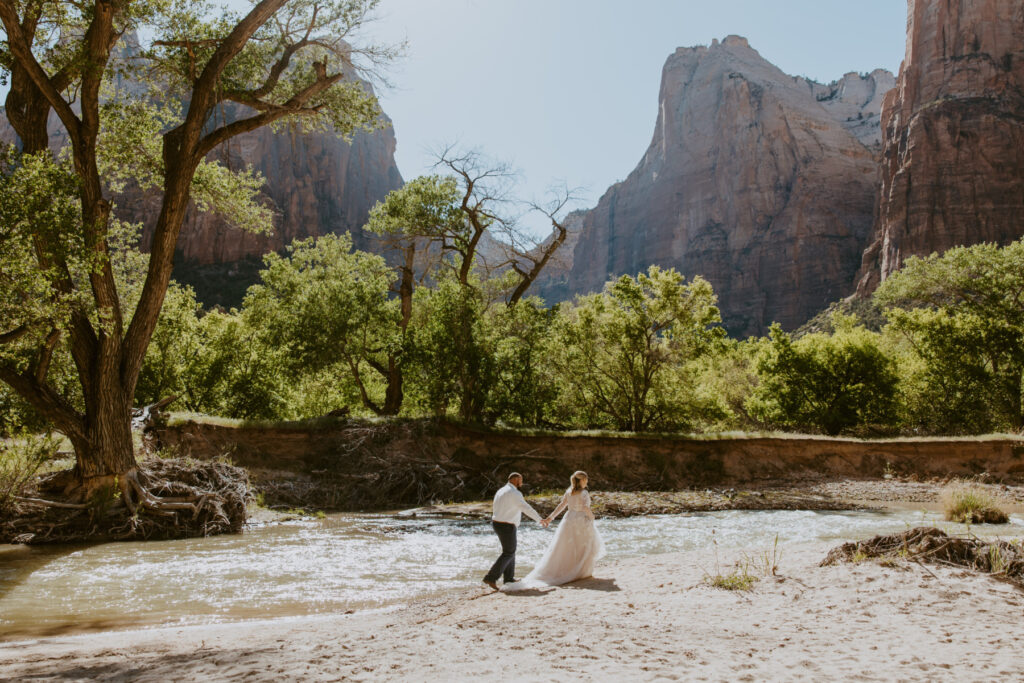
column 933, row 546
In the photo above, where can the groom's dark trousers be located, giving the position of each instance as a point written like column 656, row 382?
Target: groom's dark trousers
column 505, row 565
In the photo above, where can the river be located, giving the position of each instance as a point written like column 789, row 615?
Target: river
column 347, row 561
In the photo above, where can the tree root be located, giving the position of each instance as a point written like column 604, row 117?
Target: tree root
column 928, row 544
column 160, row 499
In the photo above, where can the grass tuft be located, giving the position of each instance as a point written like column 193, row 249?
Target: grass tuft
column 969, row 504
column 745, row 574
column 736, row 580
column 20, row 460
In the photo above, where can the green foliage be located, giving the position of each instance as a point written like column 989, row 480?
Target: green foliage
column 71, row 284
column 130, row 155
column 315, row 34
column 20, row 459
column 624, row 357
column 233, row 373
column 828, row 383
column 174, row 348
column 723, row 381
column 524, row 389
column 453, row 367
column 40, row 225
column 962, row 316
column 324, row 307
column 426, row 207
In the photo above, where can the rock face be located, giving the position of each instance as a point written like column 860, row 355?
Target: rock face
column 763, row 183
column 953, row 153
column 316, row 183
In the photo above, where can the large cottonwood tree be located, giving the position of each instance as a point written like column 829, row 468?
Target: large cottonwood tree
column 152, row 117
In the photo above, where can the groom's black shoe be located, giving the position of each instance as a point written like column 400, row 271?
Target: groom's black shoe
column 511, row 581
column 492, row 584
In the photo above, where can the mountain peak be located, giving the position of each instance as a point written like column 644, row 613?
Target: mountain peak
column 753, row 179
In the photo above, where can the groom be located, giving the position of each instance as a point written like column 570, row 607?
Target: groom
column 509, row 505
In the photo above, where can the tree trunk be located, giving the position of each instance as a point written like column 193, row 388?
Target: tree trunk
column 394, row 394
column 105, row 451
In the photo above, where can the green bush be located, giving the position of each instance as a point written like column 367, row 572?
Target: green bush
column 828, row 383
column 961, row 315
column 21, row 458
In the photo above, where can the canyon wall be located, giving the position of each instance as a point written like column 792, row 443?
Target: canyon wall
column 953, row 151
column 763, row 183
column 316, row 183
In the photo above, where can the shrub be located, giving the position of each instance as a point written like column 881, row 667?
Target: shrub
column 972, row 505
column 831, row 383
column 20, row 460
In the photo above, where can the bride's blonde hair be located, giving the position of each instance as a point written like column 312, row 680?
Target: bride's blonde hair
column 576, row 481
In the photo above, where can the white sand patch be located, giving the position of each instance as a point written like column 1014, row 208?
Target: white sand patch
column 642, row 619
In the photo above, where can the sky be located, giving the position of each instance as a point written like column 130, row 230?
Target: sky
column 566, row 91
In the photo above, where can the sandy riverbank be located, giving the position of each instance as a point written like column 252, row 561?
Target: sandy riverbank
column 643, row 619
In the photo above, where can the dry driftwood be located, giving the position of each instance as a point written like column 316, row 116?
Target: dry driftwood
column 931, row 545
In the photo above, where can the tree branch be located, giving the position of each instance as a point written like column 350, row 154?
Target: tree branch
column 46, row 355
column 48, row 402
column 203, row 94
column 14, row 335
column 21, row 50
column 296, row 106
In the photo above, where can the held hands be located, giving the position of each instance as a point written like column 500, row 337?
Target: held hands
column 544, row 522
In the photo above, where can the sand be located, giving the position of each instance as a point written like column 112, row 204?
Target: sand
column 647, row 618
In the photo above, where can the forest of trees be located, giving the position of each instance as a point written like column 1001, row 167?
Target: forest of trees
column 326, row 328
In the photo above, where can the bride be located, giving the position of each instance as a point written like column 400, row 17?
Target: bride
column 577, row 545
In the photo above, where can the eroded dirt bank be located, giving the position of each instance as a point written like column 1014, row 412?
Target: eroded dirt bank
column 350, row 465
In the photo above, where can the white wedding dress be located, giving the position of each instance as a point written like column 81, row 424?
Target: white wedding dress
column 574, row 550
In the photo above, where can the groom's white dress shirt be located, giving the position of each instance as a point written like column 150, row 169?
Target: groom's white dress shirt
column 509, row 506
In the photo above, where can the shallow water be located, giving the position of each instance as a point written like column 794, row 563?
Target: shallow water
column 348, row 562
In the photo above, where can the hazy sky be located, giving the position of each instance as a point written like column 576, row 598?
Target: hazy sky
column 567, row 90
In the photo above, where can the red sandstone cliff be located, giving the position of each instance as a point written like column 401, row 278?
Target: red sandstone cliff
column 763, row 183
column 317, row 183
column 953, row 153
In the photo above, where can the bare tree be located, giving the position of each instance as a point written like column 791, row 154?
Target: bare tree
column 528, row 256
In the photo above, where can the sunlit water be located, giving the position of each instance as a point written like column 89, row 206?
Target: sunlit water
column 349, row 562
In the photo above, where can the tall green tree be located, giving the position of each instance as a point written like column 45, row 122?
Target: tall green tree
column 623, row 355
column 454, row 228
column 825, row 382
column 282, row 63
column 328, row 308
column 451, row 348
column 523, row 387
column 962, row 313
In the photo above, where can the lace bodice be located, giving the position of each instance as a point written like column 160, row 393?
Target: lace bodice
column 579, row 502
